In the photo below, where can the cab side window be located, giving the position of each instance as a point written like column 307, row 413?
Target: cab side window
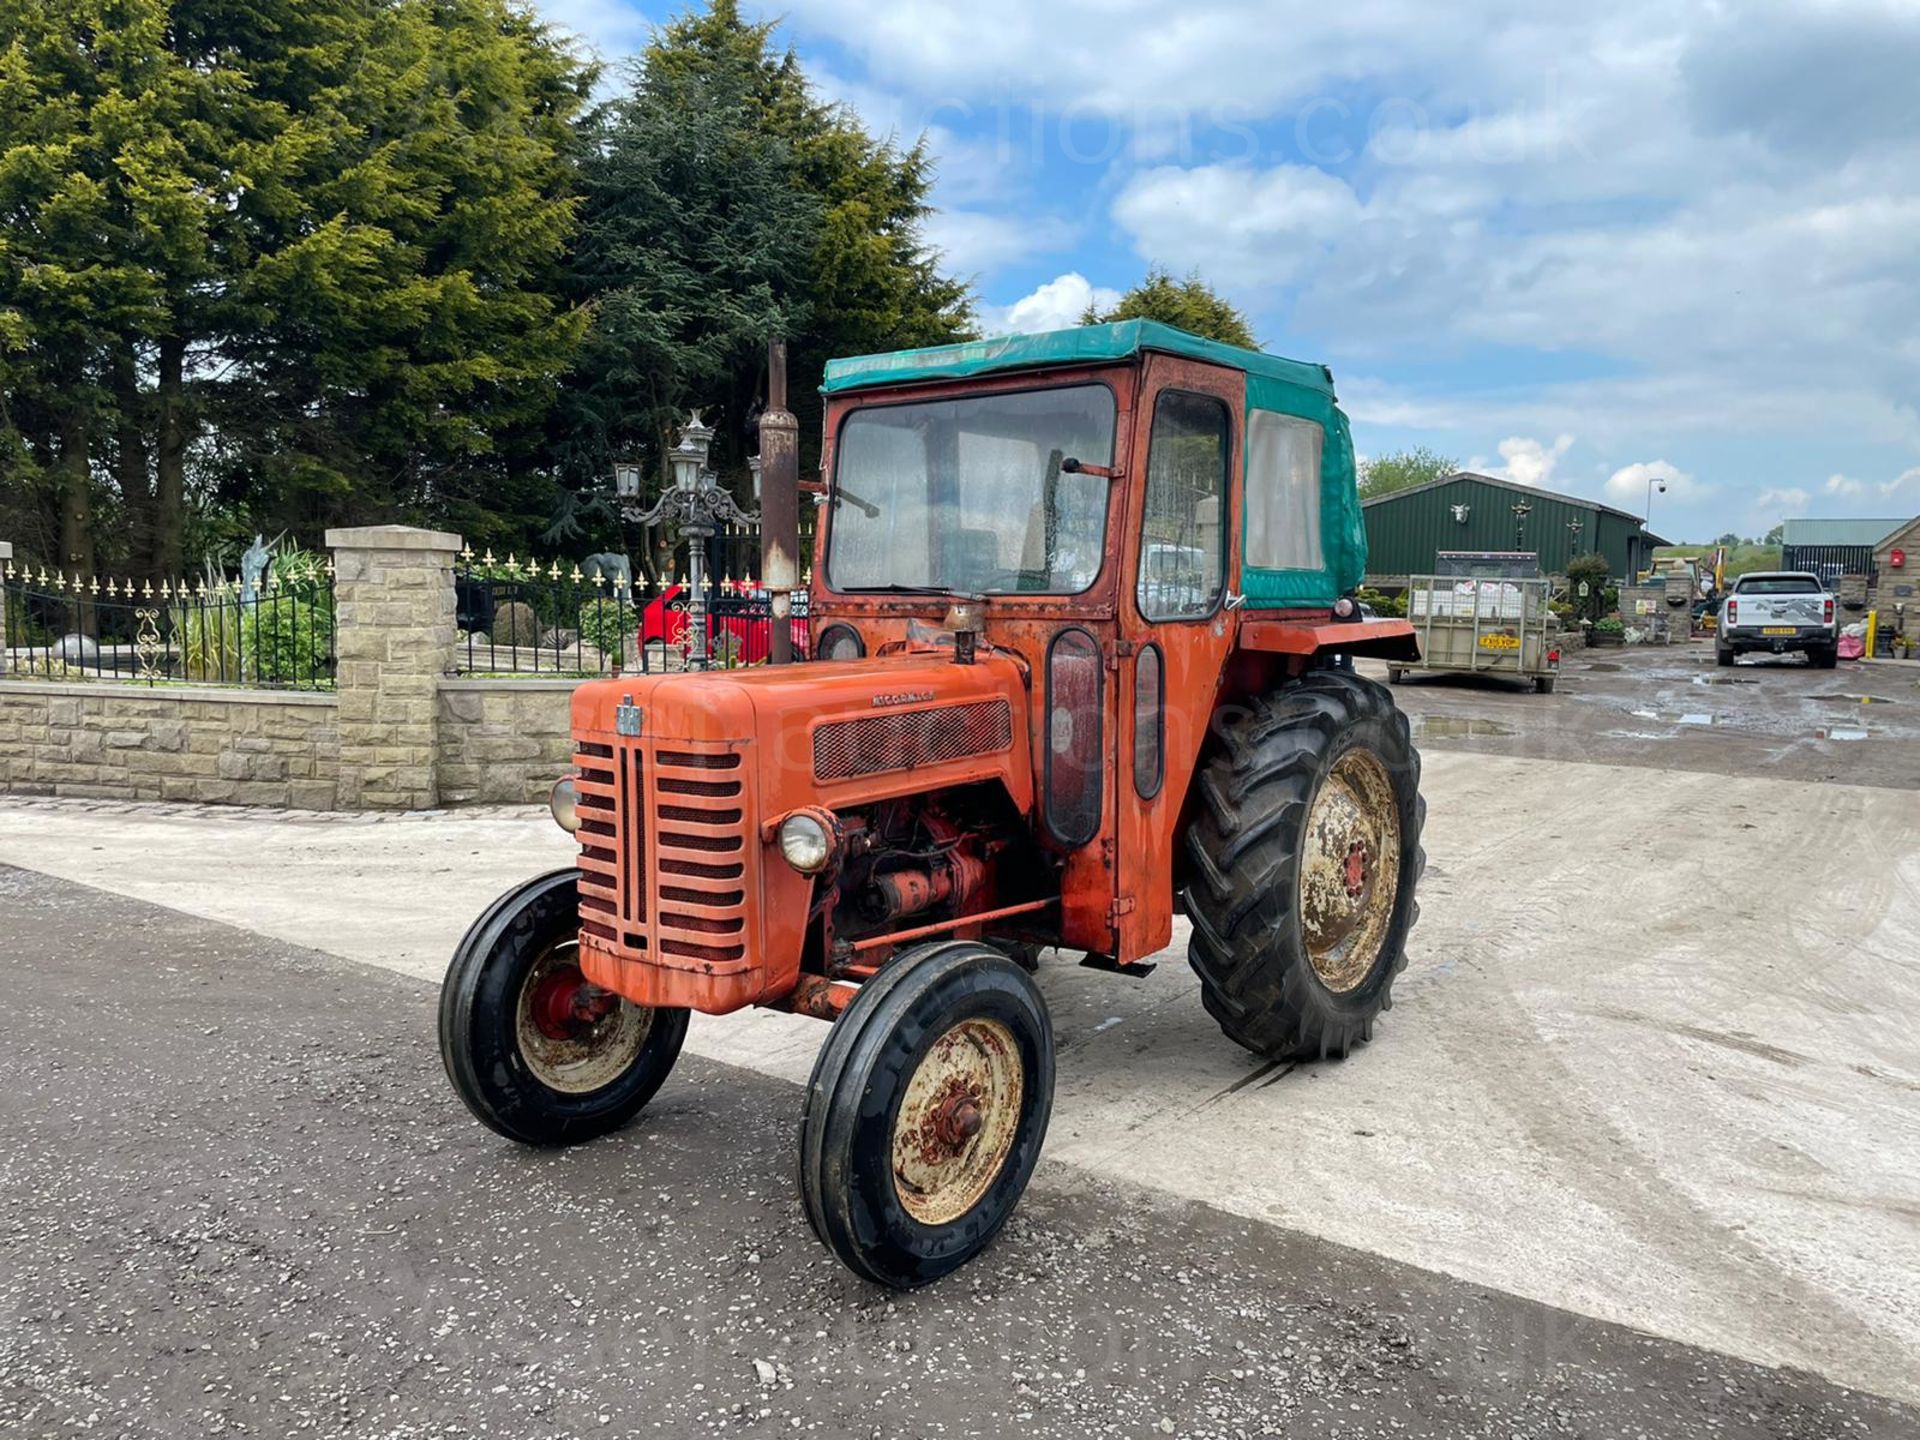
column 1283, row 492
column 1183, row 556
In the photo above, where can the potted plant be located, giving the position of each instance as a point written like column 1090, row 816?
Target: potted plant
column 1610, row 631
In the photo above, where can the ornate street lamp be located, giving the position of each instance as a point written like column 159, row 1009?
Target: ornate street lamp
column 698, row 506
column 1521, row 510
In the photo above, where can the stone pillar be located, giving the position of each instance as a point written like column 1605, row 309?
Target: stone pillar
column 6, row 554
column 394, row 639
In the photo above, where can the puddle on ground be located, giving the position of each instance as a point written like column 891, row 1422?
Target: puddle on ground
column 1724, row 680
column 1455, row 727
column 1856, row 699
column 1692, row 717
column 1602, row 665
column 1841, row 732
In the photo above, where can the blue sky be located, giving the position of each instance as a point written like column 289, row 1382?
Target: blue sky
column 1666, row 241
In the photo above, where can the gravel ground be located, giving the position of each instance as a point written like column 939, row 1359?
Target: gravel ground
column 239, row 1198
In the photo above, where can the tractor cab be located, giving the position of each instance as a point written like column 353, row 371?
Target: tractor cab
column 1149, row 526
column 1081, row 615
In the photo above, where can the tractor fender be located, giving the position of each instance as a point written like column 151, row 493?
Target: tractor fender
column 1303, row 639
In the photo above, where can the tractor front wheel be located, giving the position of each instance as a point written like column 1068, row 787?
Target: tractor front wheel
column 925, row 1113
column 1305, row 853
column 538, row 1053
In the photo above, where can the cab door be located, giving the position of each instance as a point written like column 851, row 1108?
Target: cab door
column 1176, row 622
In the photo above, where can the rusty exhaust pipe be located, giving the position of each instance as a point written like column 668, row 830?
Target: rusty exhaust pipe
column 779, row 503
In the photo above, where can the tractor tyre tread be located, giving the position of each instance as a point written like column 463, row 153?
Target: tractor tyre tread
column 847, row 1205
column 476, row 1000
column 1245, row 842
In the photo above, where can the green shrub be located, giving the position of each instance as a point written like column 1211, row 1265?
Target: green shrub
column 206, row 637
column 283, row 638
column 1612, row 625
column 1383, row 604
column 290, row 641
column 607, row 624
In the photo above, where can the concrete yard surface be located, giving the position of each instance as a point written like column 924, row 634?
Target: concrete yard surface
column 1652, row 1060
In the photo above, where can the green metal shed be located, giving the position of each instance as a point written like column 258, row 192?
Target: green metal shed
column 1407, row 529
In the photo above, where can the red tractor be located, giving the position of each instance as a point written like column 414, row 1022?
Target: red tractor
column 1083, row 661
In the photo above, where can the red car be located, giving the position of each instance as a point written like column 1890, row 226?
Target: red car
column 739, row 624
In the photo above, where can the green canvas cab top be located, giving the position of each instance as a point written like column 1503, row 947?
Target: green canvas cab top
column 1086, row 345
column 1332, row 538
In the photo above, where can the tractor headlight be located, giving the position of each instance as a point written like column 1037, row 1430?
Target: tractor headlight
column 564, row 801
column 805, row 843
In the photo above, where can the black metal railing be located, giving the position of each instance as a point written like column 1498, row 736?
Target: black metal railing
column 278, row 635
column 562, row 619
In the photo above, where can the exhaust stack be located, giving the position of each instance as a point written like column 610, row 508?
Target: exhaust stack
column 779, row 503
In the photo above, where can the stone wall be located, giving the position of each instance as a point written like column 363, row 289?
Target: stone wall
column 104, row 740
column 394, row 641
column 502, row 742
column 1644, row 608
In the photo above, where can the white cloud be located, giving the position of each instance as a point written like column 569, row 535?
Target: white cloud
column 1524, row 460
column 1053, row 306
column 1264, row 227
column 1781, row 504
column 1708, row 207
column 1903, row 481
column 1630, row 483
column 970, row 242
column 1841, row 485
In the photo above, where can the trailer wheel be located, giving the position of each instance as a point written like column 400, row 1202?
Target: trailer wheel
column 537, row 1054
column 1544, row 683
column 926, row 1112
column 1305, row 855
column 1723, row 655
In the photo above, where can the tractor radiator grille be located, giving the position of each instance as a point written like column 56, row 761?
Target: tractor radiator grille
column 663, row 849
column 906, row 739
column 605, row 891
column 700, row 853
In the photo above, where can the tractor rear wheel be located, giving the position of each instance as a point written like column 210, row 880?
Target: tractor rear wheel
column 537, row 1053
column 925, row 1113
column 1305, row 853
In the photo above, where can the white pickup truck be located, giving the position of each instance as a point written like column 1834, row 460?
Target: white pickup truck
column 1778, row 611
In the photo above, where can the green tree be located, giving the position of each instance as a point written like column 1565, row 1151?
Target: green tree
column 725, row 204
column 100, row 199
column 1403, row 469
column 693, row 251
column 297, row 255
column 1189, row 304
column 409, row 334
column 1593, row 570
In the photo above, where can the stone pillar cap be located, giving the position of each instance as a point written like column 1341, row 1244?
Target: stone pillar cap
column 392, row 537
column 6, row 549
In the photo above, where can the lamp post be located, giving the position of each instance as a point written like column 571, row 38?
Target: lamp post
column 1521, row 509
column 698, row 506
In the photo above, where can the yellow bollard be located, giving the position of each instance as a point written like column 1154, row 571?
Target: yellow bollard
column 1873, row 628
